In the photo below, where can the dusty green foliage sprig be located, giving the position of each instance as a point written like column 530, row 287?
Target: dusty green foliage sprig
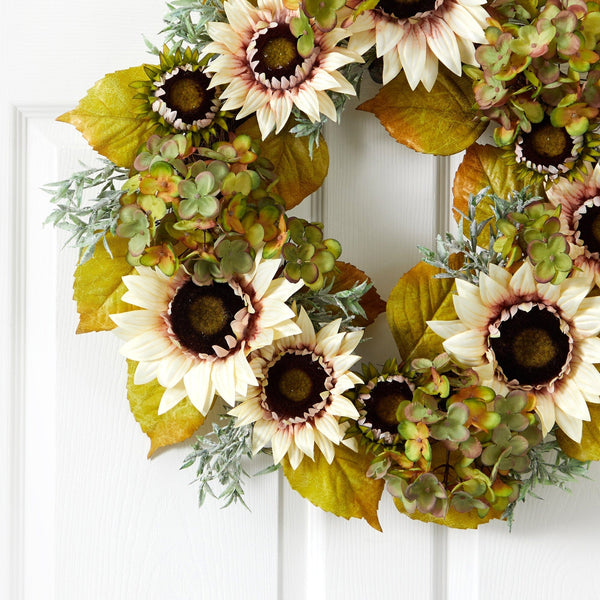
column 323, row 306
column 88, row 217
column 475, row 258
column 186, row 21
column 218, row 457
column 549, row 466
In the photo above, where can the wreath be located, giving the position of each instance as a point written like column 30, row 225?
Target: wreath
column 236, row 313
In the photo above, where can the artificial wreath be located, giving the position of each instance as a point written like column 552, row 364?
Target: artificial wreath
column 189, row 253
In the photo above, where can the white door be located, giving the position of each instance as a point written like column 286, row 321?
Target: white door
column 84, row 514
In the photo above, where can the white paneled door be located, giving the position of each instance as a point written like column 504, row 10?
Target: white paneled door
column 84, row 514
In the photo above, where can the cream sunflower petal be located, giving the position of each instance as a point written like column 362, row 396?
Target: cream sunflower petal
column 589, row 350
column 247, row 412
column 499, row 275
column 350, row 341
column 308, row 337
column 588, row 381
column 523, row 282
column 295, row 456
column 587, row 319
column 442, row 42
column 545, row 409
column 464, row 24
column 281, row 105
column 447, row 329
column 572, row 293
column 145, row 372
column 280, row 443
column 325, row 446
column 147, row 346
column 329, row 426
column 304, row 438
column 351, row 443
column 171, row 371
column 388, row 34
column 266, row 120
column 571, row 401
column 327, row 107
column 344, row 362
column 361, row 41
column 306, row 100
column 329, row 329
column 135, row 322
column 468, row 347
column 430, row 72
column 263, row 433
column 412, row 53
column 471, row 312
column 254, row 100
column 224, row 380
column 171, row 398
column 392, row 65
column 199, row 386
column 342, row 407
column 571, row 426
column 491, row 292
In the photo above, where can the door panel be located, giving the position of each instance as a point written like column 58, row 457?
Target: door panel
column 84, row 513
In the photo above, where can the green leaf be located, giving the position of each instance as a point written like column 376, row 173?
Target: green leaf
column 418, row 298
column 98, row 286
column 341, row 488
column 439, row 122
column 299, row 175
column 176, row 425
column 107, row 117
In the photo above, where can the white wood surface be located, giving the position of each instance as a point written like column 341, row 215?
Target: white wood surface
column 83, row 513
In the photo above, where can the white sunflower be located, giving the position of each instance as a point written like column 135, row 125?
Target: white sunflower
column 521, row 334
column 194, row 339
column 258, row 60
column 414, row 36
column 580, row 218
column 298, row 400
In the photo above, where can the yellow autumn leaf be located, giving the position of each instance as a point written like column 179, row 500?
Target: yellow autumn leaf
column 98, row 286
column 299, row 175
column 483, row 166
column 441, row 122
column 341, row 488
column 454, row 519
column 176, row 425
column 108, row 119
column 418, row 298
column 589, row 447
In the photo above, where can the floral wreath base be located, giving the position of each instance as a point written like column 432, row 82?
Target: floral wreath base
column 189, row 254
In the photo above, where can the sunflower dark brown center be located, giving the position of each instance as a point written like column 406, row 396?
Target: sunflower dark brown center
column 403, row 9
column 295, row 385
column 531, row 348
column 187, row 92
column 547, row 145
column 384, row 401
column 201, row 316
column 276, row 52
column 589, row 228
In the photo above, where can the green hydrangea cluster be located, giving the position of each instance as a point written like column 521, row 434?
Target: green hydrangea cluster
column 212, row 206
column 535, row 233
column 541, row 62
column 458, row 444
